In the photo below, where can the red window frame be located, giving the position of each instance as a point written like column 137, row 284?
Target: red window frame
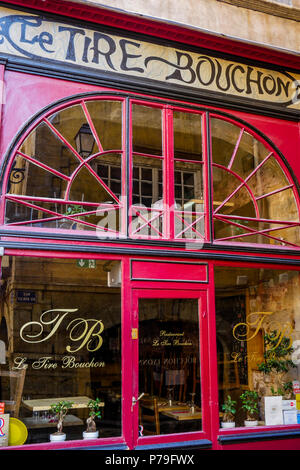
column 169, row 213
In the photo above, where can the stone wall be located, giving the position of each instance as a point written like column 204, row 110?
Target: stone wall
column 272, row 23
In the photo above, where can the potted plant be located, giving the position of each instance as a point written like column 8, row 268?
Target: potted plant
column 249, row 401
column 91, row 432
column 277, row 361
column 60, row 410
column 272, row 371
column 288, row 391
column 229, row 409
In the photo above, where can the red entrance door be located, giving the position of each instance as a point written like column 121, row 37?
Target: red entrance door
column 170, row 348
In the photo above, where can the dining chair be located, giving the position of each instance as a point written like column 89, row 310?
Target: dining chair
column 16, row 383
column 149, row 416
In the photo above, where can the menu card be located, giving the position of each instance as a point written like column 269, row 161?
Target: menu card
column 273, row 411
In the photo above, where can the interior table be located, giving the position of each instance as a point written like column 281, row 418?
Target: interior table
column 44, row 404
column 38, row 422
column 183, row 415
column 163, row 405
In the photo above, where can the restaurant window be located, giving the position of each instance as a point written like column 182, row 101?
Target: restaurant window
column 95, row 166
column 258, row 339
column 62, row 332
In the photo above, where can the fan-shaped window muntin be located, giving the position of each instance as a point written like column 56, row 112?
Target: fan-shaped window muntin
column 61, row 183
column 85, row 167
column 261, row 206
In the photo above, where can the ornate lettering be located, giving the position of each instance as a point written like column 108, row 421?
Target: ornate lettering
column 84, row 332
column 255, row 321
column 241, row 331
column 54, row 323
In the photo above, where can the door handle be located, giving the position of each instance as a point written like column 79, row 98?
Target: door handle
column 135, row 400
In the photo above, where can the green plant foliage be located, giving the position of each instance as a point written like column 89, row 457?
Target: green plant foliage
column 60, row 409
column 249, row 401
column 286, row 390
column 94, row 406
column 95, row 412
column 229, row 408
column 74, row 209
column 277, row 354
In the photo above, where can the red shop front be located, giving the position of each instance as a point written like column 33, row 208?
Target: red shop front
column 149, row 236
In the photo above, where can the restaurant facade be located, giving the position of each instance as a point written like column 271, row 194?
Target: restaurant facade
column 150, row 234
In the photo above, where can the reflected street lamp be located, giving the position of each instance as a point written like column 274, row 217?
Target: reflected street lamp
column 84, row 140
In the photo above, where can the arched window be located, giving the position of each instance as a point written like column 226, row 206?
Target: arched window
column 125, row 168
column 254, row 197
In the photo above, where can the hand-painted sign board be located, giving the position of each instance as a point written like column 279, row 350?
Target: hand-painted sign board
column 47, row 41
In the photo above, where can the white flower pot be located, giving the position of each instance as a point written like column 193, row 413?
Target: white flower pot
column 227, row 424
column 250, row 423
column 58, row 437
column 90, row 434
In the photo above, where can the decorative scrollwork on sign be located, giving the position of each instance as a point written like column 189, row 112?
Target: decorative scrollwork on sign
column 16, row 176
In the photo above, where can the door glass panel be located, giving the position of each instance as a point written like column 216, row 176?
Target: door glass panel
column 169, row 367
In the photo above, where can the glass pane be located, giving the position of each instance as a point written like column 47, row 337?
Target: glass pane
column 45, row 146
column 269, row 177
column 147, row 207
column 224, row 137
column 187, row 136
column 109, row 167
column 107, row 120
column 146, row 130
column 66, row 317
column 189, row 202
column 29, row 179
column 169, row 367
column 72, row 124
column 258, row 342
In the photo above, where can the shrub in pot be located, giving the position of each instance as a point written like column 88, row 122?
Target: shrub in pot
column 274, row 368
column 249, row 401
column 60, row 410
column 277, row 359
column 229, row 409
column 91, row 431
